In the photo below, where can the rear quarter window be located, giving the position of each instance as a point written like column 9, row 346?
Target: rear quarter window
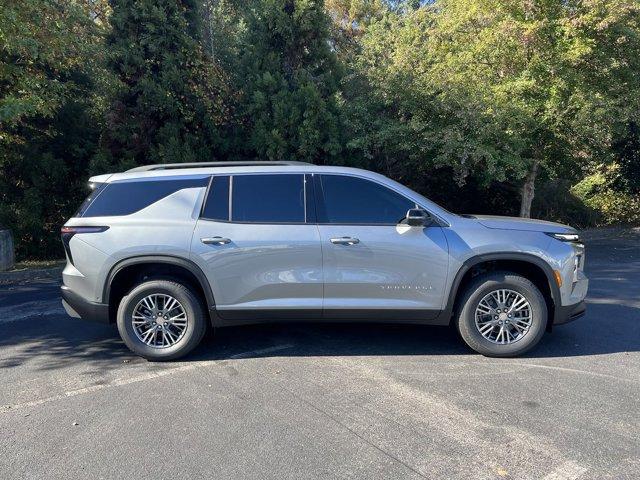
column 125, row 198
column 96, row 189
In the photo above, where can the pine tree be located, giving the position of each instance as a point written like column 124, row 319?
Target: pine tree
column 291, row 79
column 171, row 101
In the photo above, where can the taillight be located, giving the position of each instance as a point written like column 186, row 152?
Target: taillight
column 68, row 232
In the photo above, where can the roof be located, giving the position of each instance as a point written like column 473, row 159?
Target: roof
column 207, row 168
column 181, row 166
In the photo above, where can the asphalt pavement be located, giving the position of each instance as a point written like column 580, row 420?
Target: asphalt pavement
column 326, row 401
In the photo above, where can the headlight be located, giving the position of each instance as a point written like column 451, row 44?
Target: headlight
column 565, row 237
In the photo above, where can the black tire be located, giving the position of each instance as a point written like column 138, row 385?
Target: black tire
column 477, row 290
column 196, row 321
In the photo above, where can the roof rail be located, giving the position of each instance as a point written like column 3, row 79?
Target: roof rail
column 172, row 166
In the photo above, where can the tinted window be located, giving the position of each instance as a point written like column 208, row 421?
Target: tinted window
column 96, row 189
column 268, row 198
column 310, row 204
column 125, row 198
column 217, row 204
column 354, row 200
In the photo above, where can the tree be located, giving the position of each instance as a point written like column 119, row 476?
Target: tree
column 557, row 78
column 49, row 56
column 627, row 152
column 171, row 102
column 289, row 83
column 349, row 21
column 404, row 122
column 39, row 50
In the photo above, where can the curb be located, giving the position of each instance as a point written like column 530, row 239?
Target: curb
column 29, row 274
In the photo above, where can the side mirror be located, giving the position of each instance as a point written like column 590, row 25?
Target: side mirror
column 417, row 217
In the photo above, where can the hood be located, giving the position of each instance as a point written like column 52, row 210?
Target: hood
column 517, row 223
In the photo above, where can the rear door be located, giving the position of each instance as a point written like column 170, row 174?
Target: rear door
column 372, row 261
column 259, row 246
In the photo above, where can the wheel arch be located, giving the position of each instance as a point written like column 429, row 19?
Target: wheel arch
column 526, row 264
column 132, row 269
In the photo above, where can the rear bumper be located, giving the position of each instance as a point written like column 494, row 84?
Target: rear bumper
column 78, row 307
column 569, row 313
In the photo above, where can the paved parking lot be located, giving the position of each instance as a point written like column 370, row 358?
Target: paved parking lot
column 326, row 401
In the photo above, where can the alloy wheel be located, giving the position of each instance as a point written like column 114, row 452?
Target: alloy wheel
column 159, row 320
column 503, row 316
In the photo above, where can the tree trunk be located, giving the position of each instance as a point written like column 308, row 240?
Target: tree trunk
column 528, row 190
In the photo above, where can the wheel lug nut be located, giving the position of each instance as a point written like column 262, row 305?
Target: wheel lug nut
column 495, row 317
column 498, row 310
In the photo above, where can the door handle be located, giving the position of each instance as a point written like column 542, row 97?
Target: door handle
column 215, row 240
column 345, row 241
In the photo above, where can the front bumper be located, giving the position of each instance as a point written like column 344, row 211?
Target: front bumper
column 569, row 313
column 78, row 307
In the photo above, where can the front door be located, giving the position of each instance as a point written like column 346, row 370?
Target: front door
column 256, row 247
column 372, row 262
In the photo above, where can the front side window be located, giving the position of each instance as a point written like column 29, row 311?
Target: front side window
column 125, row 198
column 352, row 200
column 271, row 198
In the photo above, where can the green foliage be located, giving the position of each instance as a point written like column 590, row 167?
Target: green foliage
column 350, row 18
column 289, row 80
column 43, row 43
column 403, row 122
column 171, row 101
column 614, row 206
column 48, row 128
column 627, row 152
column 556, row 201
column 471, row 102
column 495, row 90
column 224, row 25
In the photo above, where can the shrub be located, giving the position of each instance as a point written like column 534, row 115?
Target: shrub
column 556, row 201
column 614, row 206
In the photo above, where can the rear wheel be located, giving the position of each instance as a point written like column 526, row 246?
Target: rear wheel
column 502, row 315
column 161, row 320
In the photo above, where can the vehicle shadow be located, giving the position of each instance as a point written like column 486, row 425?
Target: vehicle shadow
column 56, row 342
column 605, row 329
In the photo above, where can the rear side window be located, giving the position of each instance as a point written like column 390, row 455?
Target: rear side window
column 268, row 198
column 125, row 198
column 217, row 205
column 352, row 200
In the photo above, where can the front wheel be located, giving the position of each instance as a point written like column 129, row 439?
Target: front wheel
column 161, row 320
column 502, row 315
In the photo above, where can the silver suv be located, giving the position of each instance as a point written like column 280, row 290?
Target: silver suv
column 166, row 251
